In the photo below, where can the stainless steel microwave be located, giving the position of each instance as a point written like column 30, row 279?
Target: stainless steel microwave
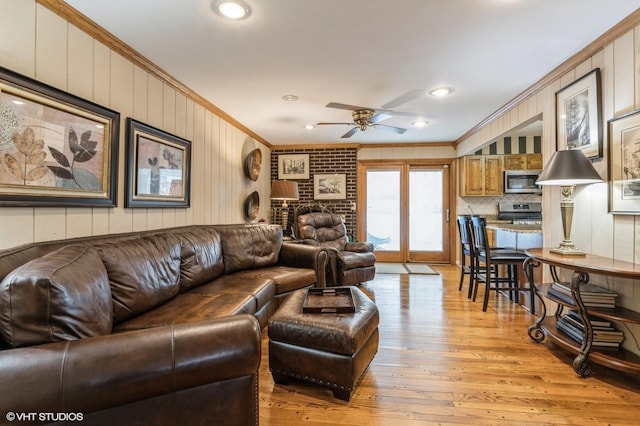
column 521, row 182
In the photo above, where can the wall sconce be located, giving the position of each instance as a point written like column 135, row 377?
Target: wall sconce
column 285, row 190
column 567, row 169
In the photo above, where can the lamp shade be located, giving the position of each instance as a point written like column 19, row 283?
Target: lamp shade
column 569, row 167
column 284, row 190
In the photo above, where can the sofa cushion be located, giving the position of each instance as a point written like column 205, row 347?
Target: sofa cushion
column 285, row 278
column 262, row 288
column 201, row 257
column 63, row 295
column 250, row 247
column 190, row 308
column 143, row 273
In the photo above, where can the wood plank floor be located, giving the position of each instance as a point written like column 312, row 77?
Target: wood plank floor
column 442, row 361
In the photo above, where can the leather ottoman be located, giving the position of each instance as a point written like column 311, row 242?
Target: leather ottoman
column 329, row 349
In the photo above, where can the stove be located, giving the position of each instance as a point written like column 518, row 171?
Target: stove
column 521, row 213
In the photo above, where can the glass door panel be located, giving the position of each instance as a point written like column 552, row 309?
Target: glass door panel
column 427, row 214
column 383, row 210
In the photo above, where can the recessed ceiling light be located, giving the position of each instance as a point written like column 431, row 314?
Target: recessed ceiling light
column 232, row 9
column 440, row 91
column 420, row 123
column 309, row 126
column 290, row 98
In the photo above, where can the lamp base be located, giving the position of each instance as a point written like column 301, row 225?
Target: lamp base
column 568, row 250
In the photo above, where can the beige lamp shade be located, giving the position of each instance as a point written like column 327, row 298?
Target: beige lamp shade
column 284, row 190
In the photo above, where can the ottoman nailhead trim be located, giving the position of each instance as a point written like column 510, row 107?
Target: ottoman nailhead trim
column 312, row 380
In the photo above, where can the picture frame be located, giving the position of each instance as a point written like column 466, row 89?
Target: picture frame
column 293, row 166
column 158, row 167
column 578, row 115
column 56, row 149
column 330, row 187
column 624, row 164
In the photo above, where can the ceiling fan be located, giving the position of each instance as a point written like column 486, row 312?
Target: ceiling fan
column 363, row 118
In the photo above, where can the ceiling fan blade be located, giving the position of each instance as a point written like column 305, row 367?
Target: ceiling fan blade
column 381, row 116
column 351, row 132
column 330, row 124
column 407, row 114
column 403, row 99
column 343, row 106
column 398, row 130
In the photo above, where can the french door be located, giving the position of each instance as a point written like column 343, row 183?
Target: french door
column 405, row 210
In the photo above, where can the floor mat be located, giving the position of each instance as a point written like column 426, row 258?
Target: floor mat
column 390, row 268
column 404, row 268
column 420, row 268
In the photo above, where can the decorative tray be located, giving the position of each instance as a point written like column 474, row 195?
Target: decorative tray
column 336, row 300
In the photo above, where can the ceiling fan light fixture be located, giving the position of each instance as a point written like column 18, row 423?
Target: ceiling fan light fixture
column 232, row 9
column 420, row 123
column 309, row 126
column 440, row 91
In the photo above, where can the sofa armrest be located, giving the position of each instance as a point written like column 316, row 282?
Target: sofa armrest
column 306, row 256
column 100, row 373
column 359, row 247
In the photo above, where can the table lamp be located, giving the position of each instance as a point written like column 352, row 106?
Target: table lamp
column 284, row 190
column 567, row 169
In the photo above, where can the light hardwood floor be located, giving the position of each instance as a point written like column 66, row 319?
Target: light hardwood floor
column 442, row 361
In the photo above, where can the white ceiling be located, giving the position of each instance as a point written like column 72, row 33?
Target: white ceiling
column 358, row 52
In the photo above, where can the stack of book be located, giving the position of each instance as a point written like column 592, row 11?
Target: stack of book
column 604, row 333
column 592, row 296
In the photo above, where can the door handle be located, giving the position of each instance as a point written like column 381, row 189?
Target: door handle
column 447, row 215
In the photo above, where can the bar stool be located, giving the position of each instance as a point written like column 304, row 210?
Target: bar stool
column 491, row 259
column 466, row 251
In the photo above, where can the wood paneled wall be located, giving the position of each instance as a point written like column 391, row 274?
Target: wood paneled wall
column 594, row 229
column 40, row 44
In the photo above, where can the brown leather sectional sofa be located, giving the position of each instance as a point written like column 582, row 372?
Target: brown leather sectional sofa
column 156, row 327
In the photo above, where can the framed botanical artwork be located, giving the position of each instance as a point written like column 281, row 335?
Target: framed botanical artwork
column 624, row 164
column 158, row 167
column 293, row 166
column 578, row 117
column 330, row 187
column 56, row 149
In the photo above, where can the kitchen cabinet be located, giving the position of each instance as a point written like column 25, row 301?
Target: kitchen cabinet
column 522, row 161
column 481, row 175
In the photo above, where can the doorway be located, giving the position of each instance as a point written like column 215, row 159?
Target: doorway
column 405, row 209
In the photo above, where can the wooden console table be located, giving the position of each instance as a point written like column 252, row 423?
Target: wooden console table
column 586, row 353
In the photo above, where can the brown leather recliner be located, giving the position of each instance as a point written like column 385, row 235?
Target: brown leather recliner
column 351, row 262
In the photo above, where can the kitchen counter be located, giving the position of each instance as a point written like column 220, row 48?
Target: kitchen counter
column 520, row 237
column 510, row 227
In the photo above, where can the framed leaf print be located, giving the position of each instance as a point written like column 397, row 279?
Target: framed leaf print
column 158, row 167
column 56, row 149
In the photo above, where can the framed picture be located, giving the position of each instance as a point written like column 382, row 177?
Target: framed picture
column 158, row 167
column 330, row 187
column 56, row 149
column 624, row 164
column 293, row 166
column 578, row 118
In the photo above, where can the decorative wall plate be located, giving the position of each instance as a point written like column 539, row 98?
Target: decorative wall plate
column 252, row 164
column 252, row 206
